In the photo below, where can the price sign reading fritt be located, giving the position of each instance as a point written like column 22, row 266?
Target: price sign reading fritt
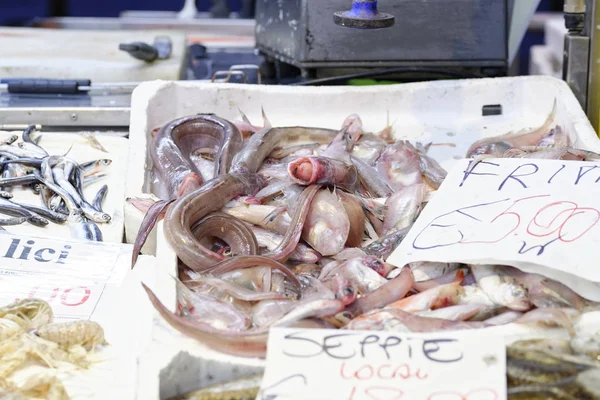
column 538, row 215
column 70, row 275
column 315, row 364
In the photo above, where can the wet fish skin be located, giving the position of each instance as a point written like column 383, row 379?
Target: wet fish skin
column 33, row 148
column 45, row 213
column 95, row 231
column 358, row 272
column 394, row 320
column 460, row 312
column 368, row 148
column 99, row 198
column 370, row 178
column 403, row 207
column 550, row 317
column 497, row 146
column 437, row 297
column 327, row 226
column 385, row 245
column 399, row 163
column 93, row 141
column 324, row 170
column 238, row 389
column 94, row 167
column 504, row 318
column 502, row 289
column 79, row 226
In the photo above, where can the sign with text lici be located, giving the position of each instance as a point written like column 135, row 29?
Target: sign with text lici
column 70, row 275
column 323, row 364
column 538, row 215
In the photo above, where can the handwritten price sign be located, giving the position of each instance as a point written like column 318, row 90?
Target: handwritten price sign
column 539, row 215
column 70, row 275
column 314, row 364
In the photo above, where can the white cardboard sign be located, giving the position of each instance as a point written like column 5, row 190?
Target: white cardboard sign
column 541, row 216
column 322, row 364
column 70, row 275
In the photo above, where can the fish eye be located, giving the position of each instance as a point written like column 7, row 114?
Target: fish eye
column 348, row 291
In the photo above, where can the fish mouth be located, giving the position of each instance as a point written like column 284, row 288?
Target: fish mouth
column 304, row 170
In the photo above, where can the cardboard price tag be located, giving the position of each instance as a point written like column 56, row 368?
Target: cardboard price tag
column 315, row 364
column 537, row 215
column 70, row 275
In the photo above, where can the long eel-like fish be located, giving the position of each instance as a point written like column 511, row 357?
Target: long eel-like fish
column 186, row 211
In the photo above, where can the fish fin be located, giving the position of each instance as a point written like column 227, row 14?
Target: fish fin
column 386, row 133
column 335, row 193
column 266, row 122
column 150, row 219
column 68, row 151
column 459, row 276
column 550, row 118
column 244, row 117
column 274, row 214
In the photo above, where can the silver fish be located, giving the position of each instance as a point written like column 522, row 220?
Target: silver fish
column 93, row 141
column 503, row 290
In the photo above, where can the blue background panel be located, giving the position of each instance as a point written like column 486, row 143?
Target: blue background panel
column 18, row 12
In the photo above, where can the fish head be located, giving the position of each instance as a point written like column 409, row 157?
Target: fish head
column 38, row 220
column 353, row 130
column 102, row 217
column 485, row 146
column 344, row 289
column 343, row 318
column 515, row 296
column 376, row 265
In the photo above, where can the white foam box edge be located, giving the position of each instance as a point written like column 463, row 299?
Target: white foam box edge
column 444, row 112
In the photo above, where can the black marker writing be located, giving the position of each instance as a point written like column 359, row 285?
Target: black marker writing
column 324, row 347
column 470, row 171
column 513, row 175
column 556, row 173
column 581, row 173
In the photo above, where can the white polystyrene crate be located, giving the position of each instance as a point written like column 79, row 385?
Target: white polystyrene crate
column 444, row 112
column 78, row 148
column 448, row 113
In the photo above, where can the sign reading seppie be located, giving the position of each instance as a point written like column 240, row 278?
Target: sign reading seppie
column 70, row 275
column 316, row 364
column 538, row 215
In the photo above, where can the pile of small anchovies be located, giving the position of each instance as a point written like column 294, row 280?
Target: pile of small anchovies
column 59, row 183
column 293, row 226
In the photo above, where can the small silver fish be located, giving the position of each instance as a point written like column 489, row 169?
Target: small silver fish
column 93, row 141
